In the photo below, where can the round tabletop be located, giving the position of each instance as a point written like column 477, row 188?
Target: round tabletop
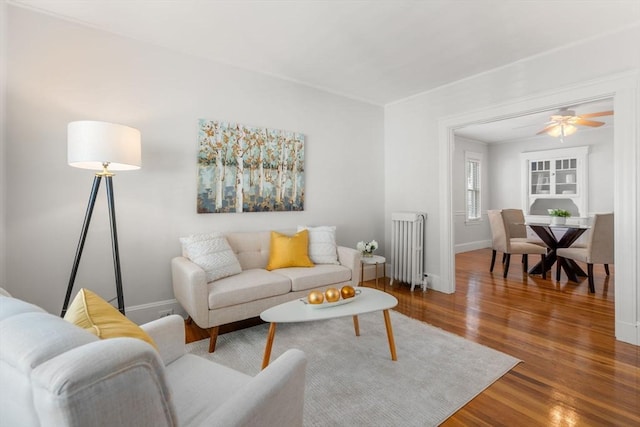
column 373, row 259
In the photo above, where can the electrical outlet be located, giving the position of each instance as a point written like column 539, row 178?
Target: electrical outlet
column 165, row 313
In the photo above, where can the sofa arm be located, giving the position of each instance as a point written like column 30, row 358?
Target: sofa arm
column 190, row 289
column 121, row 380
column 273, row 398
column 169, row 335
column 350, row 257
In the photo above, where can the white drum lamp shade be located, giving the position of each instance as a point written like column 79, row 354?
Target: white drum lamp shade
column 92, row 145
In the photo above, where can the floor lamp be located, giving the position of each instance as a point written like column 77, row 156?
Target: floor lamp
column 105, row 147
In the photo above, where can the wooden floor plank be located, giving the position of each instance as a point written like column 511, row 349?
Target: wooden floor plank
column 574, row 372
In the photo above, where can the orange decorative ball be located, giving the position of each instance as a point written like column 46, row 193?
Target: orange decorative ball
column 332, row 295
column 347, row 292
column 315, row 297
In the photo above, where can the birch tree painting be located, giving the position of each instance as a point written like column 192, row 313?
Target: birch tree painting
column 248, row 169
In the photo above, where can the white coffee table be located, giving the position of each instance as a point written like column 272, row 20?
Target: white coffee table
column 367, row 301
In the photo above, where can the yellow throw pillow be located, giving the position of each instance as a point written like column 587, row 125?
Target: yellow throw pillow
column 93, row 314
column 289, row 251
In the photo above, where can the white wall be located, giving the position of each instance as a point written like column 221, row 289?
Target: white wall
column 415, row 135
column 59, row 72
column 472, row 235
column 506, row 179
column 3, row 177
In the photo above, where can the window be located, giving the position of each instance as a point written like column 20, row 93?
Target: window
column 473, row 163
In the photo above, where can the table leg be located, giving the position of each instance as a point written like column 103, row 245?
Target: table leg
column 571, row 274
column 356, row 325
column 392, row 344
column 384, row 275
column 267, row 349
column 376, row 267
column 575, row 267
column 361, row 273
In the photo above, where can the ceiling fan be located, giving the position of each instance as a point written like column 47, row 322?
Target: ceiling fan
column 566, row 123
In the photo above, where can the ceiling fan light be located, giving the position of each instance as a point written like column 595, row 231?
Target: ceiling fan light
column 562, row 130
column 569, row 130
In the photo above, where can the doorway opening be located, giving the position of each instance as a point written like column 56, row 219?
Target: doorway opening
column 623, row 90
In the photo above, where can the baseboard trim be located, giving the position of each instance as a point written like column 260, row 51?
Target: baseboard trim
column 434, row 282
column 145, row 313
column 472, row 246
column 628, row 332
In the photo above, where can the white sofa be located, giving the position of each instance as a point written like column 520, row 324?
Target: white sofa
column 53, row 373
column 254, row 289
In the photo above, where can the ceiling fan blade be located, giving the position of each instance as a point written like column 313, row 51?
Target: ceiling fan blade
column 591, row 123
column 547, row 129
column 600, row 114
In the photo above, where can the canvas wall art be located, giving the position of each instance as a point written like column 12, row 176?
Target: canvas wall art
column 249, row 169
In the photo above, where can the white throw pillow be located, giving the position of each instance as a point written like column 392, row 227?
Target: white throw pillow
column 322, row 244
column 212, row 253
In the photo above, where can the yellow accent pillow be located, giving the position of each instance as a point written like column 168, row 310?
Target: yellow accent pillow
column 93, row 314
column 289, row 251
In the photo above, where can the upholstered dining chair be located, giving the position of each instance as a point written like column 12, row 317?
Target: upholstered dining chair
column 599, row 249
column 502, row 242
column 514, row 219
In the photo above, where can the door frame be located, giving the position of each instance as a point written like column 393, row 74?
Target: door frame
column 624, row 89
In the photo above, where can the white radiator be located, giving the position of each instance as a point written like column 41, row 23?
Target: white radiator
column 407, row 248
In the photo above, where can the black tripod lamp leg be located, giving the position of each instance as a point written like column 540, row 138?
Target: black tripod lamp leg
column 114, row 244
column 83, row 237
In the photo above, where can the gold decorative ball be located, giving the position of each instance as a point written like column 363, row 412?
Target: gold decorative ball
column 347, row 292
column 315, row 297
column 332, row 295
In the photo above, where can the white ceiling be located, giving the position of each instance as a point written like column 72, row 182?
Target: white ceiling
column 373, row 50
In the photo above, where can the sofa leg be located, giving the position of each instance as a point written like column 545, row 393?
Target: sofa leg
column 213, row 334
column 189, row 320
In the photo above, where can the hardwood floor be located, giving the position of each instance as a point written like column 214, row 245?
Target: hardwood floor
column 574, row 372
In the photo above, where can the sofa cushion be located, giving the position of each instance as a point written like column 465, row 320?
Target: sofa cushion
column 322, row 244
column 251, row 248
column 303, row 279
column 212, row 253
column 13, row 306
column 289, row 251
column 250, row 285
column 31, row 338
column 95, row 315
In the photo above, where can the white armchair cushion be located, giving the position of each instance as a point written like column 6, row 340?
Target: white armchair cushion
column 212, row 253
column 322, row 244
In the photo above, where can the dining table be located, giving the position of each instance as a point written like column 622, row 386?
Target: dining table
column 546, row 233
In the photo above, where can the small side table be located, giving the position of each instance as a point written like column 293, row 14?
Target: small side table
column 374, row 260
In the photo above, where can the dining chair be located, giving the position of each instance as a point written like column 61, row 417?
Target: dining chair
column 514, row 219
column 599, row 249
column 501, row 241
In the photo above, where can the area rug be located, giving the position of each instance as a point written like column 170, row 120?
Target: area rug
column 352, row 381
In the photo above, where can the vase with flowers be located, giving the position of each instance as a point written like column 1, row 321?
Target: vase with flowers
column 367, row 248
